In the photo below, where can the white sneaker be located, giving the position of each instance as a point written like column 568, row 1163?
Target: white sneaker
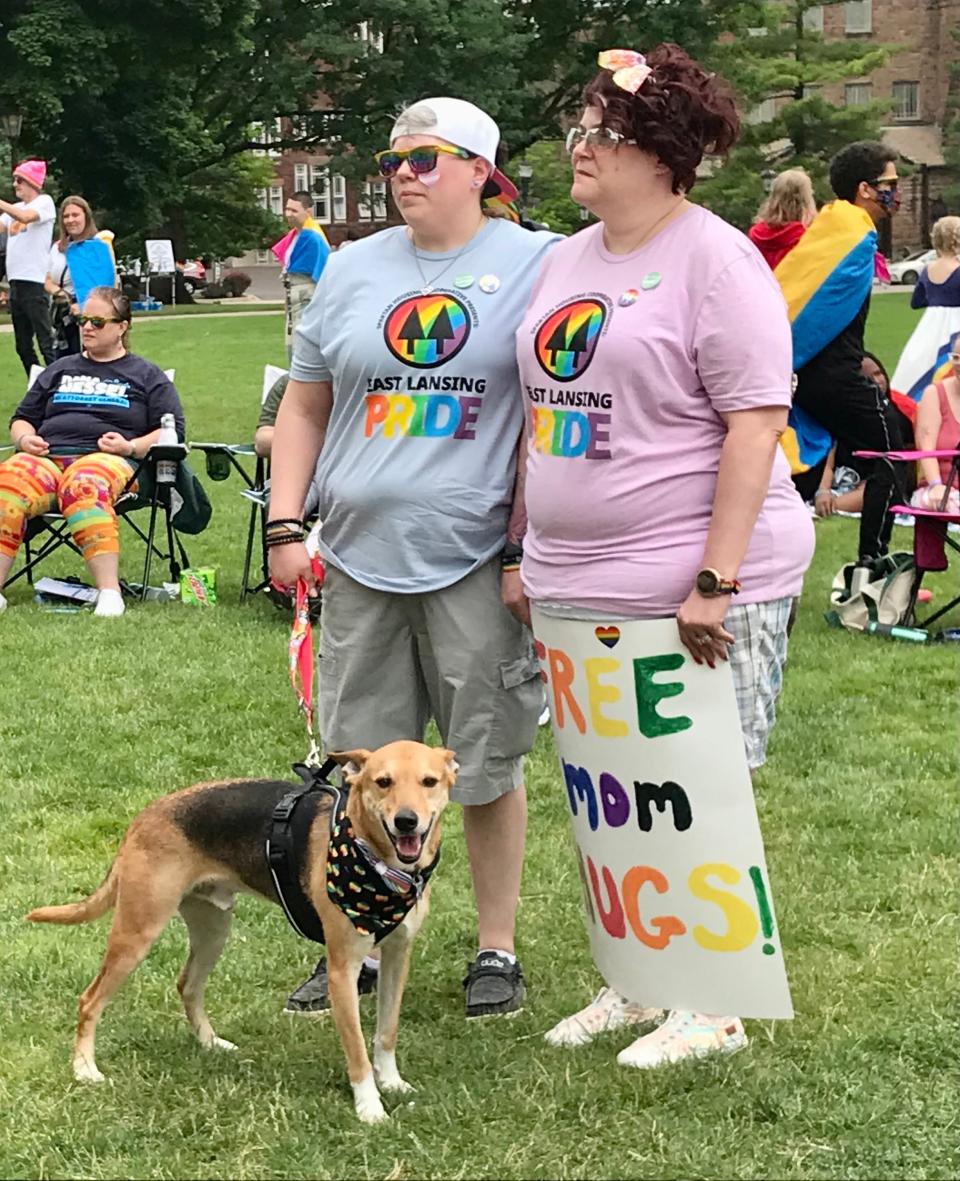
column 3, row 603
column 685, row 1035
column 109, row 603
column 608, row 1010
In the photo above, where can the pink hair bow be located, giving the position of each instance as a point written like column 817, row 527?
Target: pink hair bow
column 630, row 69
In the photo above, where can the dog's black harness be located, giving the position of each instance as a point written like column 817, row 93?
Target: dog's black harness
column 373, row 896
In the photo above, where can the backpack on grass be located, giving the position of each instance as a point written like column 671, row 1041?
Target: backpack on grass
column 886, row 597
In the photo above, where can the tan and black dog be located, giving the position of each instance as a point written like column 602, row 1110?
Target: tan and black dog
column 196, row 849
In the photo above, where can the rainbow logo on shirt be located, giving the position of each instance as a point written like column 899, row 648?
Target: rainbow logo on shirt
column 427, row 330
column 567, row 339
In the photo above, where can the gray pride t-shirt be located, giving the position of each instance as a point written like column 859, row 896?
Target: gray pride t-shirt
column 417, row 470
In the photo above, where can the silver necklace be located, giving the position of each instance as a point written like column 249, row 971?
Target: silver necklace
column 427, row 288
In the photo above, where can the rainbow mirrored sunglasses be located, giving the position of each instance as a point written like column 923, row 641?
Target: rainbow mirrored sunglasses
column 421, row 160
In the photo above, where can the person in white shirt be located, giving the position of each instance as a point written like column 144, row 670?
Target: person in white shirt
column 28, row 225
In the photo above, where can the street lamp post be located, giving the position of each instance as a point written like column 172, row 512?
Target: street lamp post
column 525, row 173
column 11, row 123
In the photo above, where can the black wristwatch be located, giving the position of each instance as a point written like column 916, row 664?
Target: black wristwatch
column 710, row 584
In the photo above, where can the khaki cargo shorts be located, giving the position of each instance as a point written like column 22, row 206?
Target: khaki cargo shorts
column 299, row 292
column 389, row 662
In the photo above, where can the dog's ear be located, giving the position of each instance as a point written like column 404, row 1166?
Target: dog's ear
column 452, row 765
column 351, row 761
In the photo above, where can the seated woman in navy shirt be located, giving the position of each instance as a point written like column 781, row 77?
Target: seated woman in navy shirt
column 76, row 432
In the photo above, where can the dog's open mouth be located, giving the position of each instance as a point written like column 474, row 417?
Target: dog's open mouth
column 409, row 845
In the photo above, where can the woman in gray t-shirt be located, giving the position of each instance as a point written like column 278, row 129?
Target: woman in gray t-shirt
column 405, row 382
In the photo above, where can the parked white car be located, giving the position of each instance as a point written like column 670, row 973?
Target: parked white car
column 908, row 269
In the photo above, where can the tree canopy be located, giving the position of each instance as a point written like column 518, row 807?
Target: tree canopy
column 151, row 110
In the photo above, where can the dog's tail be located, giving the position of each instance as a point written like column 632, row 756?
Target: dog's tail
column 99, row 902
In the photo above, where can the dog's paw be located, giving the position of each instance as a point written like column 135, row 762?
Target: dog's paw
column 387, row 1074
column 366, row 1101
column 86, row 1072
column 370, row 1114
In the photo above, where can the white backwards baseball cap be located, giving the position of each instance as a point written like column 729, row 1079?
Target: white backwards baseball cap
column 459, row 123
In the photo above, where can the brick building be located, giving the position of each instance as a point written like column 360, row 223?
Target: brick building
column 339, row 205
column 915, row 78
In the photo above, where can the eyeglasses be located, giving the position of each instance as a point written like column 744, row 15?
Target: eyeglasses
column 892, row 182
column 98, row 321
column 421, row 160
column 595, row 137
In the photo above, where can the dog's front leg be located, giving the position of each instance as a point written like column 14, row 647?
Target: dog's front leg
column 343, row 966
column 394, row 965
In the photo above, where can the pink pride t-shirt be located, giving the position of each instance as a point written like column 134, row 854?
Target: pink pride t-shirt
column 627, row 364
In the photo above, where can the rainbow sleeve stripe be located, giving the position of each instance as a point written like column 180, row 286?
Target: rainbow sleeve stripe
column 310, row 251
column 824, row 280
column 91, row 265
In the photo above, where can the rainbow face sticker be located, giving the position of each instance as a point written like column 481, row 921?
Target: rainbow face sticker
column 425, row 331
column 567, row 339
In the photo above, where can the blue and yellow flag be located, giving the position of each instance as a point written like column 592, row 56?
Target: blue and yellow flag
column 310, row 251
column 824, row 279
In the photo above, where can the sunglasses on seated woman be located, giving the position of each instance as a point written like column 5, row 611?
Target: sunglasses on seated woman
column 596, row 137
column 421, row 160
column 98, row 321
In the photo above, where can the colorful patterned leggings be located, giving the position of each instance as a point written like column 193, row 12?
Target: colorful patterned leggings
column 83, row 489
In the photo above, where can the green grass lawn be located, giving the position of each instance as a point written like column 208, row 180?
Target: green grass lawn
column 857, row 804
column 200, row 308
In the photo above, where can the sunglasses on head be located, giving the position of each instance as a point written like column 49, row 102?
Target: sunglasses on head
column 595, row 137
column 421, row 160
column 98, row 321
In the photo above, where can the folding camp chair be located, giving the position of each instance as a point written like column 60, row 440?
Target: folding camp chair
column 221, row 459
column 931, row 535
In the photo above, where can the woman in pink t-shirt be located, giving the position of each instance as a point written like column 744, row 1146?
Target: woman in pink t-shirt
column 938, row 429
column 656, row 361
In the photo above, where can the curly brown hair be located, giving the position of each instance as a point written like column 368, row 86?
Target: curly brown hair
column 681, row 113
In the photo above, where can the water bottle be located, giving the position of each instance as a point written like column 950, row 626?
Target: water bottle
column 167, row 468
column 895, row 632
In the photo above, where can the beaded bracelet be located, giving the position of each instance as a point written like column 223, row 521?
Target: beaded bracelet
column 290, row 538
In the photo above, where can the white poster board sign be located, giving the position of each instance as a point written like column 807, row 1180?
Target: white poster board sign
column 679, row 907
column 160, row 260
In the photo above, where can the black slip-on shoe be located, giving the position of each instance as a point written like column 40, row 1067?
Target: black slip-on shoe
column 493, row 986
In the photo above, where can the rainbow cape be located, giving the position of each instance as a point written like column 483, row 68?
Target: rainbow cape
column 824, row 279
column 309, row 253
column 91, row 264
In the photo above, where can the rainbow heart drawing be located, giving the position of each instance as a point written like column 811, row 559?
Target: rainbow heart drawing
column 608, row 636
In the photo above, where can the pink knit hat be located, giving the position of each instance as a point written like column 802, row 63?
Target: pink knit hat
column 34, row 172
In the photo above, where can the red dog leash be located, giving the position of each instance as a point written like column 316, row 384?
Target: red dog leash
column 300, row 657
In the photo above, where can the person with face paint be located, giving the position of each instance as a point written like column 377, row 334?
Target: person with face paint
column 832, row 388
column 404, row 381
